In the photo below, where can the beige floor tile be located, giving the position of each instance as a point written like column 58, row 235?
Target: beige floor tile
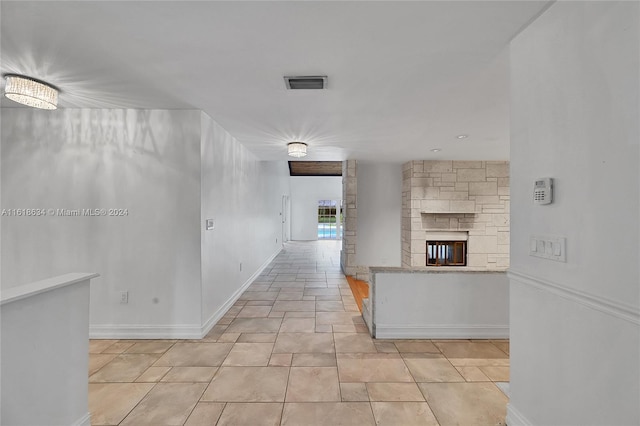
column 195, row 355
column 228, row 337
column 332, row 298
column 336, row 318
column 259, row 287
column 298, row 325
column 124, row 368
column 322, row 292
column 314, row 360
column 257, row 338
column 249, row 354
column 290, row 295
column 255, row 325
column 468, row 350
column 344, row 328
column 469, row 362
column 304, row 343
column 354, row 392
column 153, row 374
column 97, row 346
column 166, row 404
column 466, row 403
column 254, row 312
column 403, row 413
column 150, row 347
column 324, row 328
column 118, row 347
column 372, row 369
column 433, row 370
column 109, row 403
column 394, row 392
column 503, row 345
column 385, row 347
column 329, row 306
column 280, row 360
column 205, row 414
column 327, row 413
column 313, row 384
column 294, row 305
column 472, row 374
column 299, row 314
column 258, row 295
column 260, row 303
column 97, row 361
column 496, row 374
column 354, row 342
column 189, row 374
column 248, row 384
column 276, row 314
column 416, row 346
column 257, row 413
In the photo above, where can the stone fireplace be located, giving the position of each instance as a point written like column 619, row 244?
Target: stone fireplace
column 453, row 202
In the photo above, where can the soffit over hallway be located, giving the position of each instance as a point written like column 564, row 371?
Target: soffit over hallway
column 403, row 77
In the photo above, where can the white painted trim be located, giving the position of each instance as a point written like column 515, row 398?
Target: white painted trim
column 619, row 310
column 219, row 313
column 515, row 417
column 145, row 331
column 441, row 331
column 13, row 294
column 83, row 421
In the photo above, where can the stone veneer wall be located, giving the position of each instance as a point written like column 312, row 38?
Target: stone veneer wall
column 481, row 187
column 350, row 225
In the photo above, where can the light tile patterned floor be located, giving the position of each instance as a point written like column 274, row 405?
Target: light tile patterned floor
column 294, row 350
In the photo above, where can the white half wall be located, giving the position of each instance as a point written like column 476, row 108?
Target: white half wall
column 379, row 241
column 575, row 326
column 144, row 161
column 306, row 191
column 244, row 198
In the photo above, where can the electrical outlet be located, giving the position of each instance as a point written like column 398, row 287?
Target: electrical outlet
column 124, row 297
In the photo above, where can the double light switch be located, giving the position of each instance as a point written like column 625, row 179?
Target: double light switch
column 548, row 247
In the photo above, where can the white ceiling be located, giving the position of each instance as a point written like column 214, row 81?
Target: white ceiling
column 404, row 77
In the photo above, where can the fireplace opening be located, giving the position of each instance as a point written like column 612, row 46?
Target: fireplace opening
column 446, row 253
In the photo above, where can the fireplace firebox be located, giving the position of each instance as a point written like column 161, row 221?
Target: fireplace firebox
column 446, row 253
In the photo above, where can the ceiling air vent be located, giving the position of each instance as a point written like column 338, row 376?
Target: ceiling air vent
column 306, row 82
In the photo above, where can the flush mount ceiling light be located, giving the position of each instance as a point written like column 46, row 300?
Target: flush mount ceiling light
column 462, row 136
column 297, row 149
column 31, row 92
column 436, row 150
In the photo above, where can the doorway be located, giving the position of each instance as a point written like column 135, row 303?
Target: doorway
column 330, row 219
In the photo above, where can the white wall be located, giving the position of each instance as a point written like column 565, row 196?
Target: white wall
column 575, row 326
column 244, row 197
column 147, row 162
column 171, row 170
column 306, row 191
column 379, row 241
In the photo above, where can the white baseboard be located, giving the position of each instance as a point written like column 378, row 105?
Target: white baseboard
column 83, row 421
column 219, row 313
column 442, row 331
column 515, row 417
column 145, row 331
column 173, row 331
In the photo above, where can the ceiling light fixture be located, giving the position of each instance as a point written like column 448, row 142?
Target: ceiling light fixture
column 462, row 136
column 436, row 150
column 297, row 149
column 31, row 92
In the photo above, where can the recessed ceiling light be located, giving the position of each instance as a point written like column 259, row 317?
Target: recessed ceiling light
column 462, row 136
column 436, row 150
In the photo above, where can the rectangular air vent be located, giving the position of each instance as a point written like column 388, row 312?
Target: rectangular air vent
column 306, row 82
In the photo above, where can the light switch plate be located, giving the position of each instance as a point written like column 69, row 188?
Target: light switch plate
column 552, row 247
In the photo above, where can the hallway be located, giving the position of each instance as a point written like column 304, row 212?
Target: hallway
column 294, row 350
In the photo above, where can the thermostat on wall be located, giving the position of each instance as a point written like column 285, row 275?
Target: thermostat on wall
column 543, row 191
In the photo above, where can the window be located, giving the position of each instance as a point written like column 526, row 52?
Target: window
column 329, row 219
column 446, row 253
